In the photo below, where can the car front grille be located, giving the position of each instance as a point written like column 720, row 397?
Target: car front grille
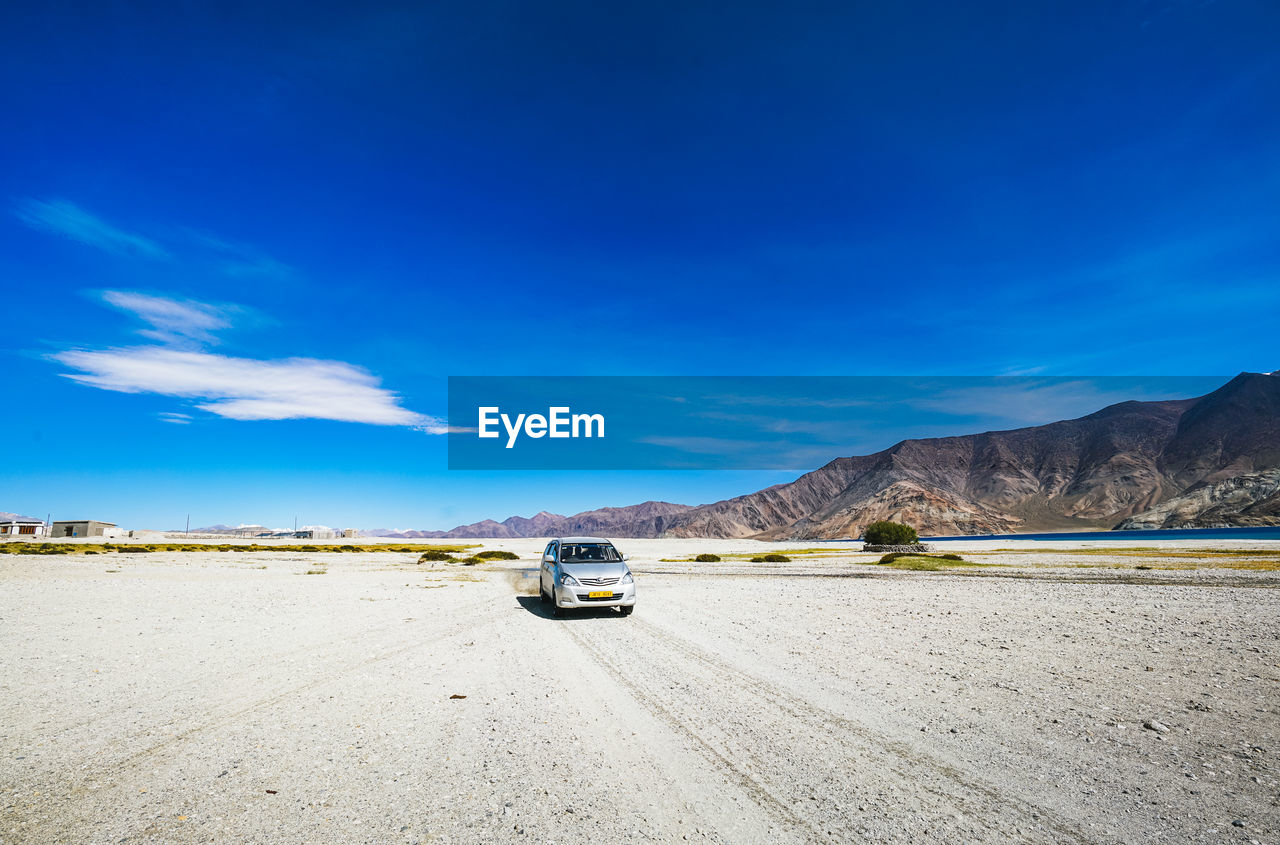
column 597, row 582
column 587, row 597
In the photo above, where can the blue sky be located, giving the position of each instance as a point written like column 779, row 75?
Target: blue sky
column 243, row 250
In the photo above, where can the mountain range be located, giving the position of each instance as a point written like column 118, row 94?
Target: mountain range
column 1203, row 462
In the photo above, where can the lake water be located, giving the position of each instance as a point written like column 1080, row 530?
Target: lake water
column 1264, row 533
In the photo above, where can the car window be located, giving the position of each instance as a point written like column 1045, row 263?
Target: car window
column 589, row 553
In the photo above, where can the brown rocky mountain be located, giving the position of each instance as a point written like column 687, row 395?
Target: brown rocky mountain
column 648, row 519
column 1178, row 463
column 1088, row 473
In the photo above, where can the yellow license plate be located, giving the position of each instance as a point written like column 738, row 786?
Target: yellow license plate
column 599, row 594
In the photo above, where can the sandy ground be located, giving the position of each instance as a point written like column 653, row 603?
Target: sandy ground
column 233, row 698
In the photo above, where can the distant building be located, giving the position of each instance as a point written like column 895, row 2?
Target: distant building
column 350, row 533
column 22, row 526
column 312, row 533
column 83, row 528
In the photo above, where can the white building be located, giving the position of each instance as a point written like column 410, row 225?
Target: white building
column 22, row 526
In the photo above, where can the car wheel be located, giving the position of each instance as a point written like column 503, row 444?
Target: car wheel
column 626, row 609
column 542, row 595
column 556, row 610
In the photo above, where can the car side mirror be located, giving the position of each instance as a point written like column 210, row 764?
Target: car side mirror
column 626, row 558
column 548, row 559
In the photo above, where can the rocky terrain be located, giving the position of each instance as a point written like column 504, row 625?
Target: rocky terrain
column 1250, row 499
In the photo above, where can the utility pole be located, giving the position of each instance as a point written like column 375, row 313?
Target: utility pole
column 188, row 531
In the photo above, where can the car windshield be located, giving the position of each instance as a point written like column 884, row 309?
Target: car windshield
column 588, row 553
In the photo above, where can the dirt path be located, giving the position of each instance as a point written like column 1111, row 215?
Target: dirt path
column 202, row 700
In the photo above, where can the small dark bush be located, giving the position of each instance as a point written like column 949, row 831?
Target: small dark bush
column 473, row 560
column 951, row 557
column 133, row 550
column 434, row 555
column 889, row 534
column 498, row 555
column 707, row 558
column 347, row 548
column 771, row 558
column 90, row 552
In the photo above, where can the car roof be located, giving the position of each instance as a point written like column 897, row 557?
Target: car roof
column 582, row 540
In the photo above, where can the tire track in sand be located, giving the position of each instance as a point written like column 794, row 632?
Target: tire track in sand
column 956, row 787
column 464, row 622
column 917, row 777
column 759, row 792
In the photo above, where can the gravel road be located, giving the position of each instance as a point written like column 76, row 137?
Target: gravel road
column 197, row 698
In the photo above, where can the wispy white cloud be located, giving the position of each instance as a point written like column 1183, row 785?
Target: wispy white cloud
column 239, row 260
column 185, row 245
column 790, row 401
column 247, row 388
column 65, row 218
column 1033, row 401
column 175, row 418
column 171, row 320
column 737, row 452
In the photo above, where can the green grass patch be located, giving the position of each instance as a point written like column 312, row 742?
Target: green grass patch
column 912, row 562
column 707, row 558
column 498, row 554
column 771, row 558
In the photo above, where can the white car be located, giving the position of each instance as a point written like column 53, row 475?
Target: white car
column 585, row 572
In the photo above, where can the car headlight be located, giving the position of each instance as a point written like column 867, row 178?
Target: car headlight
column 567, row 580
column 627, row 579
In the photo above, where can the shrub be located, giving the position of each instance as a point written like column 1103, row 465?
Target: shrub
column 771, row 558
column 889, row 534
column 922, row 562
column 707, row 558
column 498, row 555
column 434, row 555
column 473, row 560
